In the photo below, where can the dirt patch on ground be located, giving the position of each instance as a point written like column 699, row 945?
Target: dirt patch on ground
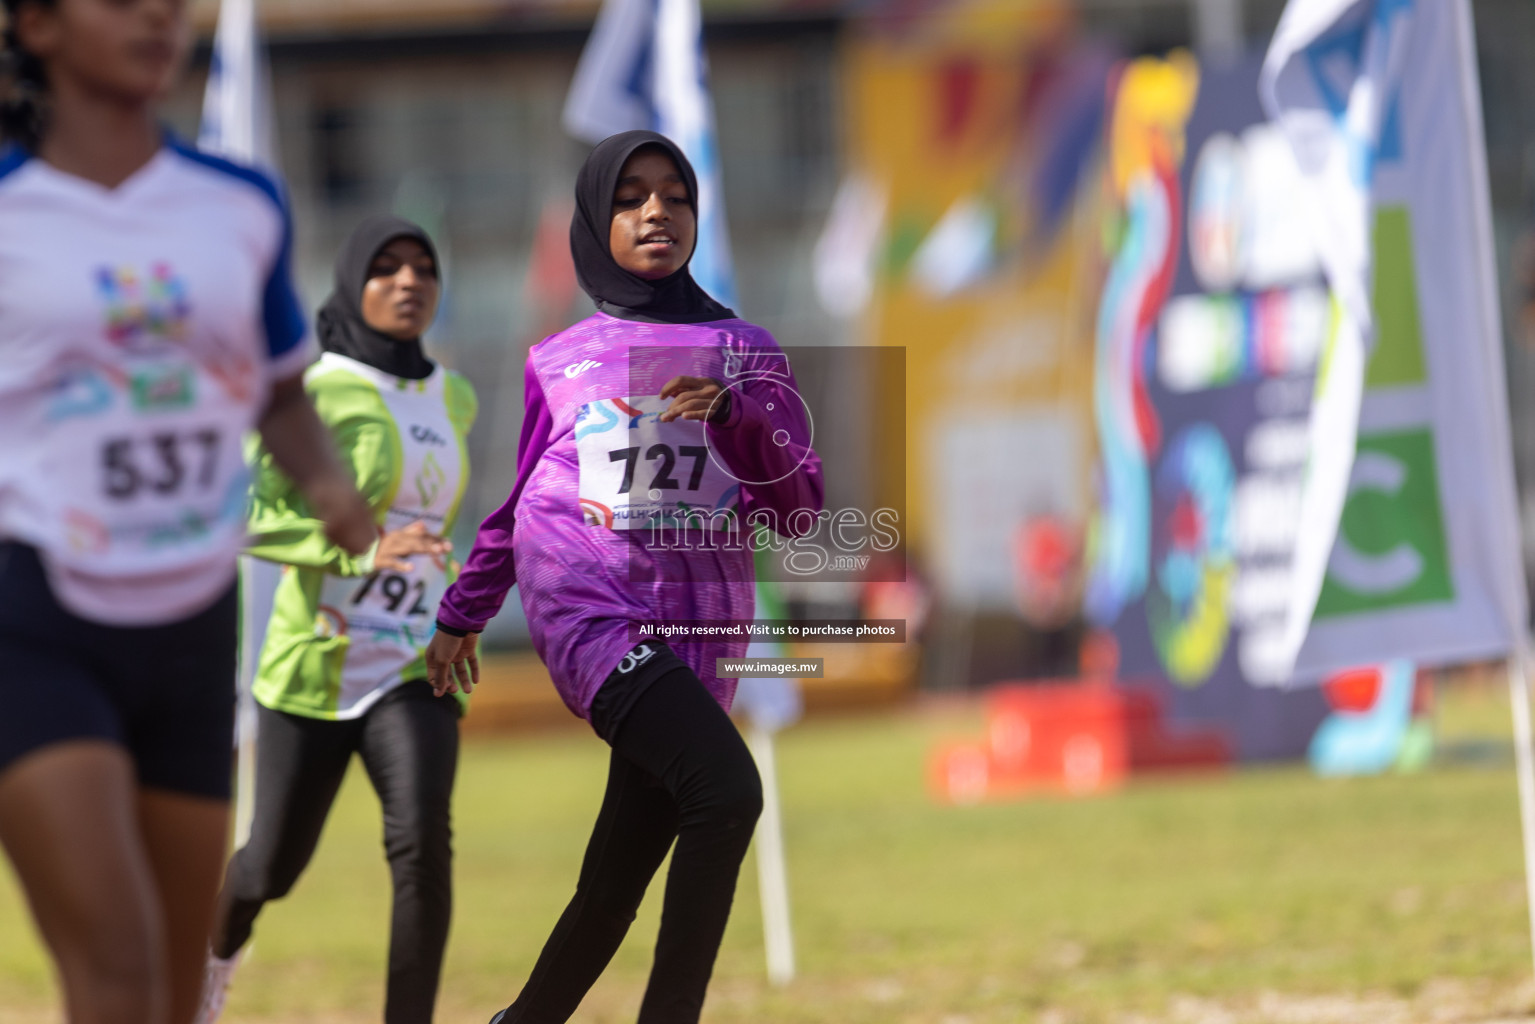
column 1438, row 1002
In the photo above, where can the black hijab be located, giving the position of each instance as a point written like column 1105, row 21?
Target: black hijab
column 674, row 299
column 341, row 326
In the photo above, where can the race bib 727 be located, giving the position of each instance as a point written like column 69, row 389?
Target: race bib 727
column 637, row 471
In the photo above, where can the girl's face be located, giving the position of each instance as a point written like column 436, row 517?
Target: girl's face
column 400, row 296
column 123, row 51
column 653, row 226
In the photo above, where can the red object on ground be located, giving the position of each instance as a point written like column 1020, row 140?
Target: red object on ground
column 1071, row 738
column 1354, row 690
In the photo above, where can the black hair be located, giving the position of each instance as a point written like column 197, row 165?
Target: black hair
column 23, row 84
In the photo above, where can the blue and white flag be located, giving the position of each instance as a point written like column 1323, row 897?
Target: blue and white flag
column 644, row 67
column 1408, row 535
column 237, row 104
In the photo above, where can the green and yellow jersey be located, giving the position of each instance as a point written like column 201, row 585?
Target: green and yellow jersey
column 343, row 634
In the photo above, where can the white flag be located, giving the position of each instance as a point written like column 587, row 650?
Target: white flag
column 644, row 67
column 846, row 253
column 960, row 250
column 1408, row 536
column 237, row 104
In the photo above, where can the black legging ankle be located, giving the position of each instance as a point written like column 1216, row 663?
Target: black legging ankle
column 679, row 770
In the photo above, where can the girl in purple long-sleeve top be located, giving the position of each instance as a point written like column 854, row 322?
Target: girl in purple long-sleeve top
column 654, row 430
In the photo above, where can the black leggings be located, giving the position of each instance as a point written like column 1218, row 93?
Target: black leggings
column 679, row 770
column 409, row 746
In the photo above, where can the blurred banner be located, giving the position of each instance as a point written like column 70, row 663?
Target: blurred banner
column 1211, row 320
column 964, row 234
column 1409, row 542
column 1382, row 718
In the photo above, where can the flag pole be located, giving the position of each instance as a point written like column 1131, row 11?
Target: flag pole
column 772, row 877
column 254, row 612
column 236, row 123
column 1514, row 603
column 1524, row 769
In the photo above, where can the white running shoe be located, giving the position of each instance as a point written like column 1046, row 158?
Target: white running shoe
column 217, row 977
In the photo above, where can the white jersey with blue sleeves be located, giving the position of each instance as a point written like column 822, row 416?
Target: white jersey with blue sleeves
column 141, row 328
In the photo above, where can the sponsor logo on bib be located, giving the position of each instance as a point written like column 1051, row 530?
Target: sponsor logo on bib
column 83, row 391
column 144, row 315
column 430, row 480
column 164, row 388
column 426, row 435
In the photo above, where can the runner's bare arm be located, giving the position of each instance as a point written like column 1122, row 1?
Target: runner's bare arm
column 302, row 446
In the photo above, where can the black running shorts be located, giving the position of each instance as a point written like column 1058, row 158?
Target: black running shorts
column 166, row 694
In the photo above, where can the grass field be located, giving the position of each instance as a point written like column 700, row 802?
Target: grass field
column 1261, row 895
